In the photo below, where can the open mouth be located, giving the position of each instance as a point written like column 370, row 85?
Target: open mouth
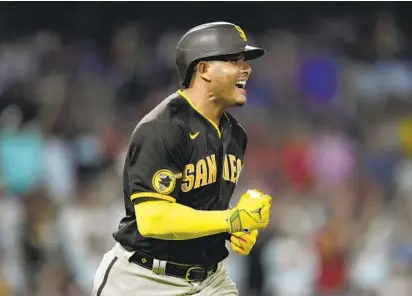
column 241, row 84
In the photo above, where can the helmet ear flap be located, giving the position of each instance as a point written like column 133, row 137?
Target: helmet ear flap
column 191, row 70
column 189, row 74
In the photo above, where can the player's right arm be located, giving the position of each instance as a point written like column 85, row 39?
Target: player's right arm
column 155, row 163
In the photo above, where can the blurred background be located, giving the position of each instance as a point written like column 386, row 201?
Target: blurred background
column 330, row 137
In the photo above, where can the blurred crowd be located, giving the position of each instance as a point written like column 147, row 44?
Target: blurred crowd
column 329, row 119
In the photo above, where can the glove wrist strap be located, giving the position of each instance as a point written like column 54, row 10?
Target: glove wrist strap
column 235, row 223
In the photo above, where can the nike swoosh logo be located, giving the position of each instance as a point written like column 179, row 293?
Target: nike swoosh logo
column 194, row 136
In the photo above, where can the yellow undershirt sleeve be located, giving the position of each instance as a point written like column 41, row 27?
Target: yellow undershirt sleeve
column 172, row 221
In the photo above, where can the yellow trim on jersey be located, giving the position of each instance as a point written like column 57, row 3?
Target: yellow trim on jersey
column 152, row 194
column 186, row 97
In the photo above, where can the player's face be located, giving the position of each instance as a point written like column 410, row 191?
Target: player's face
column 228, row 80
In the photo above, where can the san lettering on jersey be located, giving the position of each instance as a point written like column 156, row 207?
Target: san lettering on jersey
column 204, row 172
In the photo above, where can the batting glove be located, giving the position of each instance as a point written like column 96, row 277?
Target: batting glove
column 242, row 243
column 252, row 212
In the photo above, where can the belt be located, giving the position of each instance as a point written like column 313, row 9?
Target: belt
column 190, row 273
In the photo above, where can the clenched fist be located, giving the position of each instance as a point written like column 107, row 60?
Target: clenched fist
column 252, row 212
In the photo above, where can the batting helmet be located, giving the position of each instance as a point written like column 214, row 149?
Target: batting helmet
column 211, row 40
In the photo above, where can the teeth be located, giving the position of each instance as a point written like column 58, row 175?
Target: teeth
column 241, row 83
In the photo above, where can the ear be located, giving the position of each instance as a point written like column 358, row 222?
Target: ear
column 203, row 69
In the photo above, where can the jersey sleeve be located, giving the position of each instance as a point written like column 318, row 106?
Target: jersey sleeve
column 155, row 161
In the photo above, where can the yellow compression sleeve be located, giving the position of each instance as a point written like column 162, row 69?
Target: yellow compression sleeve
column 172, row 221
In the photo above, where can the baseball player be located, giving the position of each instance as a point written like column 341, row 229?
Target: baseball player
column 181, row 169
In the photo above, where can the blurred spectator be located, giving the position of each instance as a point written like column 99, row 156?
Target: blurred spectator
column 333, row 255
column 295, row 159
column 332, row 158
column 290, row 264
column 371, row 267
column 318, row 77
column 86, row 221
column 12, row 258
